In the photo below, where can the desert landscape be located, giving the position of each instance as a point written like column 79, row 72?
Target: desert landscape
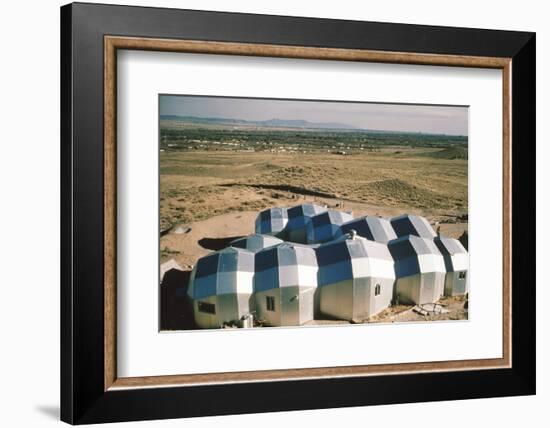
column 215, row 176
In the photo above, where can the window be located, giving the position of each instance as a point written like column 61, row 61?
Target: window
column 270, row 303
column 207, row 308
column 462, row 275
column 377, row 289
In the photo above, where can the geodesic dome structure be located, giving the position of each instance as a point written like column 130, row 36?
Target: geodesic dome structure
column 272, row 221
column 370, row 227
column 285, row 284
column 408, row 224
column 356, row 278
column 419, row 270
column 255, row 242
column 298, row 217
column 350, row 269
column 221, row 287
column 323, row 227
column 456, row 261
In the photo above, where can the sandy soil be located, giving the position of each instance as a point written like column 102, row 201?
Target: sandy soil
column 404, row 313
column 198, row 186
column 206, row 236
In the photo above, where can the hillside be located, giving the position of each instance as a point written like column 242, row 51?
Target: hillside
column 275, row 123
column 448, row 153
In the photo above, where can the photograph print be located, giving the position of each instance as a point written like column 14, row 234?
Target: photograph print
column 279, row 212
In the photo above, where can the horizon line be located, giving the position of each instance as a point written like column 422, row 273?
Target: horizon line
column 347, row 126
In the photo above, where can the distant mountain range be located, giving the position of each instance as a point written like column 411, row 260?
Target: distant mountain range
column 276, row 123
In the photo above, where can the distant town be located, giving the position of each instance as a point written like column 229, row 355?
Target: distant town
column 191, row 133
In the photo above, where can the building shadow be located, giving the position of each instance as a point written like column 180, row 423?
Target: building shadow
column 216, row 244
column 176, row 310
column 464, row 239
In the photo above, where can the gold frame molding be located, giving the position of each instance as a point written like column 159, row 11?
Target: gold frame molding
column 113, row 43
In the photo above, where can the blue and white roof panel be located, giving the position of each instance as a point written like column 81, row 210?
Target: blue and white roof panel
column 414, row 255
column 353, row 258
column 285, row 265
column 228, row 271
column 408, row 224
column 370, row 227
column 272, row 221
column 323, row 227
column 449, row 246
column 455, row 255
column 299, row 215
column 255, row 242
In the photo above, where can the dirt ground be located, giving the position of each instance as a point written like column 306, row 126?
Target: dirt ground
column 206, row 236
column 403, row 313
column 198, row 185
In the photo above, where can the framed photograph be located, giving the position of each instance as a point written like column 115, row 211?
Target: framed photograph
column 276, row 213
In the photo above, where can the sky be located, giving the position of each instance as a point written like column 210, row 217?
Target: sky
column 450, row 120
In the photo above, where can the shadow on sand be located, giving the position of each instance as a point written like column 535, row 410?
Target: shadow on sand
column 284, row 188
column 216, row 244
